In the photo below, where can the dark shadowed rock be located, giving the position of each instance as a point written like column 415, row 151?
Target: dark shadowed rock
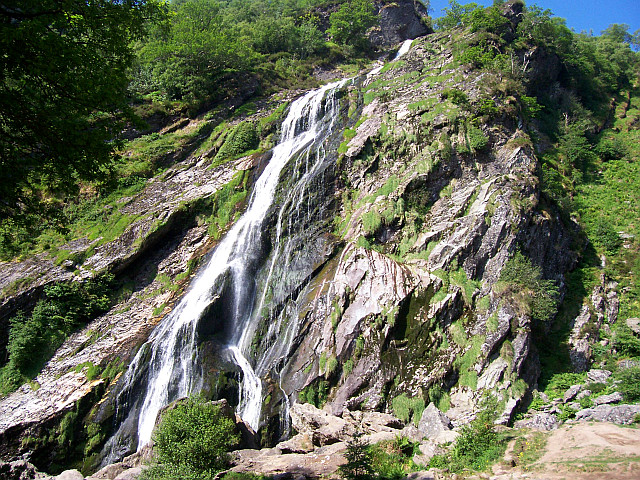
column 400, row 20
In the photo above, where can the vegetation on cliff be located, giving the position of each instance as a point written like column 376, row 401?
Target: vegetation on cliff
column 212, row 78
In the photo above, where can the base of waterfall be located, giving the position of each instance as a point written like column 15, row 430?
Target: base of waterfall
column 318, row 450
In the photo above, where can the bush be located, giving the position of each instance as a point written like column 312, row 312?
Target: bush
column 629, row 384
column 359, row 464
column 192, row 441
column 524, row 283
column 242, row 139
column 478, row 445
column 407, row 409
column 34, row 338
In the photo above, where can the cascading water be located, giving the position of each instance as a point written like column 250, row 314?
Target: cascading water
column 172, row 369
column 168, row 366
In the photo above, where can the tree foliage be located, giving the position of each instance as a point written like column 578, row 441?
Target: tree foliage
column 351, row 21
column 63, row 86
column 192, row 441
column 359, row 458
column 34, row 338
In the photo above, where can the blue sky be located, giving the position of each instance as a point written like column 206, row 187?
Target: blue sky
column 580, row 15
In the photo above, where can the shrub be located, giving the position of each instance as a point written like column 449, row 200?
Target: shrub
column 359, row 464
column 629, row 385
column 523, row 282
column 407, row 409
column 192, row 441
column 34, row 338
column 242, row 139
column 478, row 445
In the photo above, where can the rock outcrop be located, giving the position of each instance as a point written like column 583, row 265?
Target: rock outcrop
column 392, row 284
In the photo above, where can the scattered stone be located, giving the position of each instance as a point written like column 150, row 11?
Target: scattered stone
column 539, row 421
column 448, row 436
column 574, row 406
column 598, row 376
column 633, row 324
column 624, row 364
column 572, row 393
column 433, row 422
column 427, row 451
column 583, row 394
column 423, row 475
column 619, row 414
column 615, row 397
column 412, row 433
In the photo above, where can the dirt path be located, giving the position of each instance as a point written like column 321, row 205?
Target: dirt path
column 583, row 451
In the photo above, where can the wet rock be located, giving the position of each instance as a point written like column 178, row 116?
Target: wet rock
column 598, row 376
column 615, row 397
column 620, row 414
column 539, row 421
column 433, row 422
column 572, row 392
column 399, row 21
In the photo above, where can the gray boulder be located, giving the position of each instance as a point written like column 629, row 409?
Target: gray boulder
column 615, row 397
column 301, row 443
column 433, row 422
column 70, row 475
column 540, row 421
column 598, row 376
column 619, row 414
column 323, row 427
column 572, row 393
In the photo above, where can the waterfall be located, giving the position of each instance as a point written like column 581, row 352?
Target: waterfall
column 172, row 370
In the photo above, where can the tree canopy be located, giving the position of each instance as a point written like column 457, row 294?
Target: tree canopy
column 63, row 86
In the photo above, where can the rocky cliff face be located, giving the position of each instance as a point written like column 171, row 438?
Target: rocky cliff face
column 392, row 286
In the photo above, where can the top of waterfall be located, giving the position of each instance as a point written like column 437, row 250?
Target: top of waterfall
column 404, row 48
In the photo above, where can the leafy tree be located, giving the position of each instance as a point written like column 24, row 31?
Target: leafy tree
column 455, row 14
column 63, row 86
column 192, row 441
column 191, row 57
column 351, row 21
column 618, row 32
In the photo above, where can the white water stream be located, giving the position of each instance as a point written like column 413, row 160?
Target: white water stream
column 173, row 343
column 171, row 353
